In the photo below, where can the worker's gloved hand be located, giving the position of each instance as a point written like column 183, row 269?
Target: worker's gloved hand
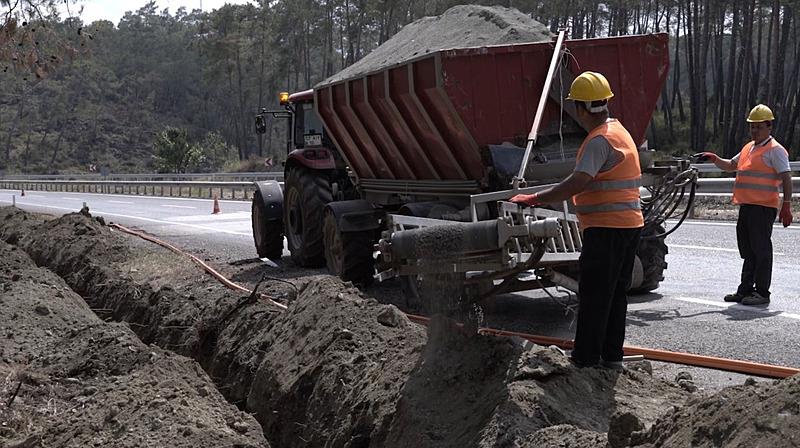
column 526, row 199
column 705, row 157
column 786, row 214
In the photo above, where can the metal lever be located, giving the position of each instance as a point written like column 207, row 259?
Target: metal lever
column 537, row 120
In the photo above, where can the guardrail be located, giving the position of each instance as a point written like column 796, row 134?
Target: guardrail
column 711, row 168
column 191, row 189
column 724, row 185
column 242, row 189
column 210, row 177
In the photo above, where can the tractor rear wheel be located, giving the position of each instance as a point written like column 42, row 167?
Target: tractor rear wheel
column 267, row 233
column 305, row 196
column 348, row 255
column 652, row 254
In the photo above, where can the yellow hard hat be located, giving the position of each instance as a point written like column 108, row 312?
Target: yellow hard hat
column 590, row 86
column 760, row 113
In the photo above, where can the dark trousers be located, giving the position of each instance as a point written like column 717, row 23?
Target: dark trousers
column 754, row 236
column 606, row 264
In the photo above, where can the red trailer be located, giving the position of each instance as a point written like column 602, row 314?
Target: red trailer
column 431, row 118
column 382, row 156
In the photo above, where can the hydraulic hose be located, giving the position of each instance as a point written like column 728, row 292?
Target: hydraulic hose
column 665, row 200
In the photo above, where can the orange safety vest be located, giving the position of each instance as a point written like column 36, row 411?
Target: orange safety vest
column 756, row 182
column 612, row 198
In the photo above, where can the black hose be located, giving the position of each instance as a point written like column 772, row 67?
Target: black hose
column 665, row 200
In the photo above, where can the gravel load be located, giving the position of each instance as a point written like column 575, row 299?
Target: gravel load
column 462, row 26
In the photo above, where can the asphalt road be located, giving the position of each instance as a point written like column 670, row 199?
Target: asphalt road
column 686, row 313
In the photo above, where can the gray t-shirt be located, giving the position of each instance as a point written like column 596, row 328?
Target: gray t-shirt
column 776, row 158
column 598, row 157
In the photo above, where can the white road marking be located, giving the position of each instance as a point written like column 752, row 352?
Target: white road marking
column 739, row 307
column 728, row 224
column 72, row 199
column 235, row 216
column 722, row 249
column 178, row 206
column 159, row 221
column 120, row 202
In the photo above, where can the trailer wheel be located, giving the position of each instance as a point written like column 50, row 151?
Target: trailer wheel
column 267, row 233
column 306, row 194
column 348, row 255
column 652, row 255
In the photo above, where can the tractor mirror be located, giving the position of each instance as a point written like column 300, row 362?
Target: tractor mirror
column 261, row 124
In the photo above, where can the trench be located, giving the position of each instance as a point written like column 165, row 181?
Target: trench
column 172, row 304
column 336, row 368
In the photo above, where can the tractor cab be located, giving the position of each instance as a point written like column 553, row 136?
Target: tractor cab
column 306, row 142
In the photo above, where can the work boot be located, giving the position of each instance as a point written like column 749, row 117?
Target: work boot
column 755, row 299
column 735, row 297
column 581, row 364
column 612, row 365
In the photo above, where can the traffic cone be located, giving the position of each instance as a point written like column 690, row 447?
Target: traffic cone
column 23, row 192
column 216, row 206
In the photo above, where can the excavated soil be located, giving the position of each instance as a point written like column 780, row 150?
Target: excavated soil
column 462, row 26
column 340, row 369
column 68, row 379
column 762, row 415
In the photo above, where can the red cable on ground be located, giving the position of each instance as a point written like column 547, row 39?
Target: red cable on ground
column 731, row 365
column 199, row 262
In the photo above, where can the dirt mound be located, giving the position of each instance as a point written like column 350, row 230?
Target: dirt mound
column 335, row 365
column 470, row 390
column 69, row 379
column 461, row 26
column 763, row 414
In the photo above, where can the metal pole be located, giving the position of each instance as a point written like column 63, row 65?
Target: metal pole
column 537, row 120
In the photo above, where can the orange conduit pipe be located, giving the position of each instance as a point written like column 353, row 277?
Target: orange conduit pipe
column 712, row 362
column 199, row 262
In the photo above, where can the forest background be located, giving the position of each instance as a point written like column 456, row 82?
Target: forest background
column 177, row 90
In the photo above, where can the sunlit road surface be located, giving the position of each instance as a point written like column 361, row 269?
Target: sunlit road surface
column 686, row 313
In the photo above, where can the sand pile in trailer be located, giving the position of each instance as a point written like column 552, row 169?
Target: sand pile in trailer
column 461, row 26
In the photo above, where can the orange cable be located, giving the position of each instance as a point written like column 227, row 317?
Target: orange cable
column 200, row 262
column 713, row 362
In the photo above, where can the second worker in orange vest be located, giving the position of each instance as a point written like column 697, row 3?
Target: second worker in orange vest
column 762, row 173
column 605, row 191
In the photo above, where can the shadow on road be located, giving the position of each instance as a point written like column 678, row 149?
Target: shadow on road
column 641, row 318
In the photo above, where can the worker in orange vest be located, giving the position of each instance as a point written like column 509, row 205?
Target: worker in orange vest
column 762, row 172
column 605, row 191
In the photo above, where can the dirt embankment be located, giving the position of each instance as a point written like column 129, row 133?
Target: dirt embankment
column 68, row 379
column 340, row 369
